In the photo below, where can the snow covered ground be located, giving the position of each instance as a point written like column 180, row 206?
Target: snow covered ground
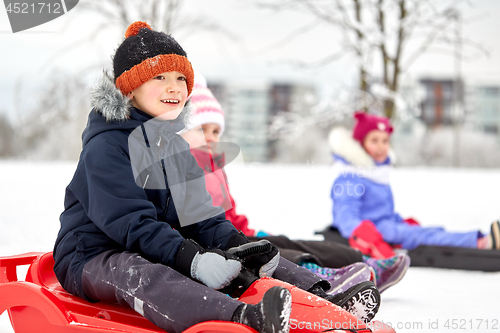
column 294, row 200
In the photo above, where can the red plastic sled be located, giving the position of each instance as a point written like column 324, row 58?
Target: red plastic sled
column 40, row 305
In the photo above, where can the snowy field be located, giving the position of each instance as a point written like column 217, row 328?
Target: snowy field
column 294, row 200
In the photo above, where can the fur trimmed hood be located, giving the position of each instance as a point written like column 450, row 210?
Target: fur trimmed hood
column 343, row 145
column 352, row 159
column 109, row 101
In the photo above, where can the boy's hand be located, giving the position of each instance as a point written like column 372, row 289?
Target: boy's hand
column 214, row 268
column 261, row 257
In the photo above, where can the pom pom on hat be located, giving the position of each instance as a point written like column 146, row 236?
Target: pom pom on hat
column 135, row 27
column 205, row 108
column 369, row 122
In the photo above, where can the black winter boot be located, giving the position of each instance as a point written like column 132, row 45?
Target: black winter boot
column 270, row 315
column 362, row 300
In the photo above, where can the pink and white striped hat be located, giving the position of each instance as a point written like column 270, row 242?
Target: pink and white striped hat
column 205, row 108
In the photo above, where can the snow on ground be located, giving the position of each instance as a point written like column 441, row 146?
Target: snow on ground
column 294, row 200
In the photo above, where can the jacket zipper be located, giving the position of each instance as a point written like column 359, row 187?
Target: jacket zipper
column 158, row 143
column 166, row 208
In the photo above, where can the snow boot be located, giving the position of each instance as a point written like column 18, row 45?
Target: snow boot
column 343, row 278
column 495, row 235
column 388, row 271
column 362, row 300
column 270, row 315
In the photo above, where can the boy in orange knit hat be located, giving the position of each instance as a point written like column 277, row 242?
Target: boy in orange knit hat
column 138, row 226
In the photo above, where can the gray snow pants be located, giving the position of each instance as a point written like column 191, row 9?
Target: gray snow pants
column 164, row 296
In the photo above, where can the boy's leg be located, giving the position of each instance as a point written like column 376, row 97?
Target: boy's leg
column 330, row 254
column 363, row 299
column 162, row 295
column 353, row 300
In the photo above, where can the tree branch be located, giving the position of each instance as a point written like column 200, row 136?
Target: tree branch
column 291, row 36
column 318, row 63
column 438, row 29
column 381, row 23
column 400, row 41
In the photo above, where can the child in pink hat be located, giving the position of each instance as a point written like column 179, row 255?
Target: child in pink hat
column 363, row 205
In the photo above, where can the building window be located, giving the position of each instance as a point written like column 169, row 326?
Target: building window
column 491, row 91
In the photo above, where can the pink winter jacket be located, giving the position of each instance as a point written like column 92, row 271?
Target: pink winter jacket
column 216, row 183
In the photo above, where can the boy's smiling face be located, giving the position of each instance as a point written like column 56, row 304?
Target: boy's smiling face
column 162, row 96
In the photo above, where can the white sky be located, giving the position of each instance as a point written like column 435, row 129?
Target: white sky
column 28, row 57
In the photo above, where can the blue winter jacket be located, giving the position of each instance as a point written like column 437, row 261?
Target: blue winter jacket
column 108, row 205
column 362, row 191
column 356, row 197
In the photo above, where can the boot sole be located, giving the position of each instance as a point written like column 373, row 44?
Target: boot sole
column 277, row 306
column 362, row 300
column 398, row 275
column 249, row 249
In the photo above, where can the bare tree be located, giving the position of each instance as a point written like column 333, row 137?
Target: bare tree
column 165, row 15
column 6, row 137
column 385, row 36
column 51, row 128
column 168, row 16
column 291, row 125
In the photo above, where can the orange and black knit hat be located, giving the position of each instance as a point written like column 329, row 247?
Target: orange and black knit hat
column 146, row 53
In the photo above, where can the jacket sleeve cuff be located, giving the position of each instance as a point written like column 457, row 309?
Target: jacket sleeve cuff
column 237, row 239
column 185, row 256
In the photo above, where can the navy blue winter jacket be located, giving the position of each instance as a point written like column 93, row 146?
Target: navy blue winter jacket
column 107, row 207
